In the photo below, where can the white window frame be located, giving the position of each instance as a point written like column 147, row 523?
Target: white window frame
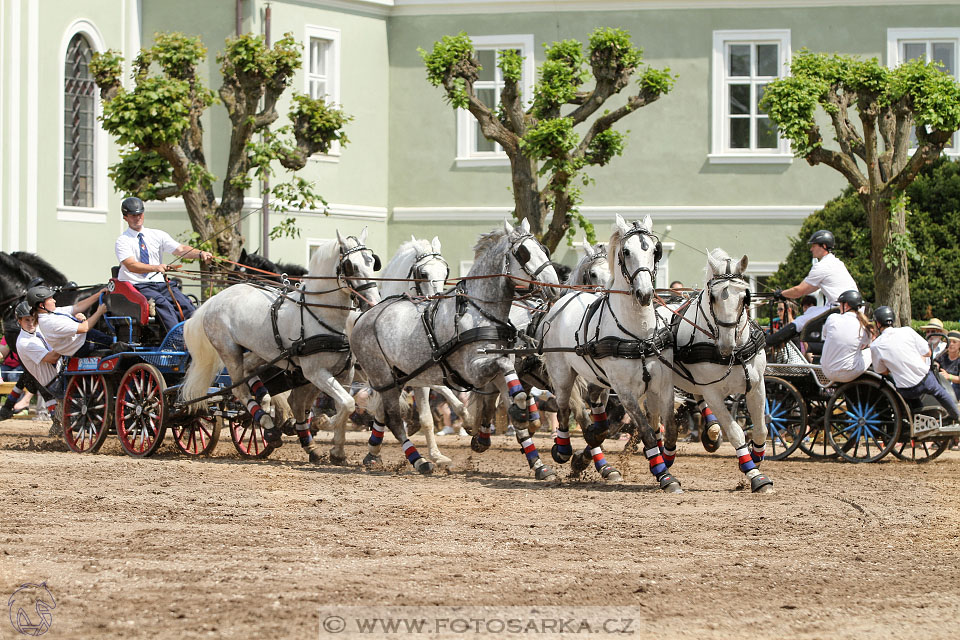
column 663, row 266
column 333, row 77
column 896, row 37
column 720, row 153
column 465, row 266
column 98, row 212
column 467, row 155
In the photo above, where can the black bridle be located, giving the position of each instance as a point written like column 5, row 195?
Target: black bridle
column 638, row 230
column 419, row 275
column 521, row 254
column 728, row 276
column 345, row 270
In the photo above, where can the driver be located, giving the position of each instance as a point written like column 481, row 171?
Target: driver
column 139, row 251
column 828, row 274
column 902, row 353
column 846, row 340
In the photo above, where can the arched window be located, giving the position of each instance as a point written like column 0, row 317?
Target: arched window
column 79, row 123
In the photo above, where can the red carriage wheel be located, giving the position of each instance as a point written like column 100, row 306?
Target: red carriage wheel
column 248, row 438
column 141, row 410
column 86, row 413
column 198, row 437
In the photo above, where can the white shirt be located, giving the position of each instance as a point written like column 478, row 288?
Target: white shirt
column 128, row 246
column 843, row 340
column 32, row 350
column 830, row 275
column 901, row 351
column 60, row 331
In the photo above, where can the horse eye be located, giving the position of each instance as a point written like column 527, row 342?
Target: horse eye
column 626, row 252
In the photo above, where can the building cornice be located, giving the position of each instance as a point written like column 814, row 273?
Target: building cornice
column 712, row 213
column 334, row 210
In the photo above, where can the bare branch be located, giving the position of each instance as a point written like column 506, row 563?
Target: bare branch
column 842, row 162
column 928, row 151
column 606, row 121
column 512, row 103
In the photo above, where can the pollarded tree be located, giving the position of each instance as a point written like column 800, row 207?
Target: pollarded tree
column 874, row 157
column 540, row 140
column 158, row 124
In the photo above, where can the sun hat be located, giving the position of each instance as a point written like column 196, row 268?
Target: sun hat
column 934, row 323
column 953, row 335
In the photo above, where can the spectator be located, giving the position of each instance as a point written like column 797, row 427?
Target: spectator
column 676, row 285
column 949, row 362
column 933, row 331
column 12, row 369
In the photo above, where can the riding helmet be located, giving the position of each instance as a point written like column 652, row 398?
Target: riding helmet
column 852, row 298
column 823, row 237
column 24, row 309
column 132, row 205
column 36, row 295
column 884, row 316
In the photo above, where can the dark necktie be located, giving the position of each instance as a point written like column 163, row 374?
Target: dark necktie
column 144, row 254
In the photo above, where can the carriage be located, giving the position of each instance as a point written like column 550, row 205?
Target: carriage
column 133, row 393
column 858, row 421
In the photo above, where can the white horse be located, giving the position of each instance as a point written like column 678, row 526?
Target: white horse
column 419, row 270
column 302, row 329
column 720, row 352
column 615, row 341
column 400, row 342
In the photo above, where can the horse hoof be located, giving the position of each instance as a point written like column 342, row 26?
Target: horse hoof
column 669, row 484
column 288, row 428
column 611, row 475
column 370, row 461
column 479, row 446
column 545, row 473
column 710, row 444
column 425, row 467
column 558, row 456
column 761, row 484
column 579, row 463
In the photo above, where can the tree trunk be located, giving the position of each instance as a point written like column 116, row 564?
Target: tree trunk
column 892, row 286
column 526, row 194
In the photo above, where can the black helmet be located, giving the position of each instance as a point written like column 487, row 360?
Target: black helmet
column 35, row 282
column 132, row 205
column 852, row 298
column 24, row 309
column 823, row 237
column 36, row 295
column 884, row 316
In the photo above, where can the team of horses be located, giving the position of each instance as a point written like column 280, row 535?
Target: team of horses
column 508, row 326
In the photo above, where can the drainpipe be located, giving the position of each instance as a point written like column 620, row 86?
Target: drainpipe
column 239, row 15
column 265, row 238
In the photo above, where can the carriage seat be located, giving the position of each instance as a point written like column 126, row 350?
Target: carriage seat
column 812, row 332
column 123, row 300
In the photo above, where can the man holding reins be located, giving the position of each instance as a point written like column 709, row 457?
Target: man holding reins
column 139, row 251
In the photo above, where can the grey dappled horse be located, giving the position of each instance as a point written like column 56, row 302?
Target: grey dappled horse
column 339, row 277
column 402, row 343
column 720, row 352
column 622, row 346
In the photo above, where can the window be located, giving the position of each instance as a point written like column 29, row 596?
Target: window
column 323, row 71
column 663, row 267
column 743, row 63
column 939, row 45
column 79, row 125
column 472, row 147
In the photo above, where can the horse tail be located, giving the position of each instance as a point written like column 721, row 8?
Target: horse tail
column 205, row 362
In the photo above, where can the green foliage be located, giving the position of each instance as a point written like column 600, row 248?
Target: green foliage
column 934, row 225
column 934, row 95
column 156, row 113
column 141, row 173
column 657, row 81
column 561, row 75
column 106, row 67
column 286, row 229
column 296, row 194
column 553, row 138
column 604, row 146
column 176, row 54
column 900, row 243
column 248, row 57
column 324, row 122
column 450, row 53
column 611, row 48
column 511, row 64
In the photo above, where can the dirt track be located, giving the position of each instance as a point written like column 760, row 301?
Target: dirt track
column 176, row 548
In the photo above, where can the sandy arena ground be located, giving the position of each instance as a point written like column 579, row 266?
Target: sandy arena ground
column 223, row 547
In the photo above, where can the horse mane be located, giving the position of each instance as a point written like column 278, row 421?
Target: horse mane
column 38, row 267
column 405, row 256
column 328, row 250
column 488, row 240
column 255, row 260
column 577, row 275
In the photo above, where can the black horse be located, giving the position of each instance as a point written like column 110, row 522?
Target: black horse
column 255, row 260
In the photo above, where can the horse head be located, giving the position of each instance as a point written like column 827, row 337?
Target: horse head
column 729, row 296
column 527, row 259
column 637, row 253
column 429, row 270
column 593, row 269
column 356, row 269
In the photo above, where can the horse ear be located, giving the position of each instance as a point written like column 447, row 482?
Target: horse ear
column 507, row 226
column 363, row 236
column 435, row 243
column 525, row 224
column 620, row 223
column 587, row 248
column 343, row 243
column 647, row 223
column 743, row 264
column 413, row 238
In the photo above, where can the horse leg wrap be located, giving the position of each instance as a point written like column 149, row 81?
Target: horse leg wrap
column 255, row 410
column 657, row 466
column 518, row 408
column 376, row 437
column 746, row 461
column 419, row 463
column 533, row 411
column 595, row 435
column 481, row 441
column 561, row 449
column 757, row 452
column 606, row 470
column 669, row 455
column 759, row 481
column 708, row 417
column 257, row 388
column 12, row 397
column 529, row 449
column 303, row 433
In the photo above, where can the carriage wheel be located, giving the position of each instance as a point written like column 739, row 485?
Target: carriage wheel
column 247, row 437
column 921, row 451
column 814, row 442
column 141, row 410
column 786, row 417
column 198, row 437
column 863, row 421
column 86, row 413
